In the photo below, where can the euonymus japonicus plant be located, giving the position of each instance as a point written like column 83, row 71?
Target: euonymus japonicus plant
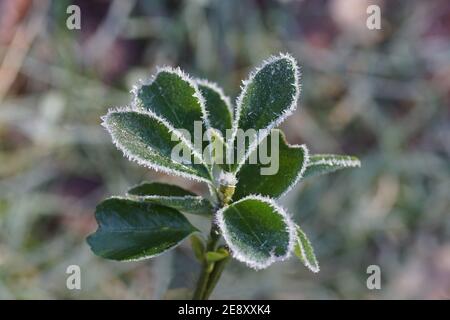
column 165, row 118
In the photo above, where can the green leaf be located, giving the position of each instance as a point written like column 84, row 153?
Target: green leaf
column 173, row 96
column 270, row 94
column 319, row 164
column 217, row 151
column 198, row 246
column 172, row 196
column 159, row 189
column 268, row 97
column 305, row 252
column 257, row 231
column 291, row 163
column 133, row 230
column 148, row 141
column 217, row 105
column 214, row 256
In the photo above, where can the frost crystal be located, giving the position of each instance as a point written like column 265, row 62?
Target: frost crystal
column 227, row 179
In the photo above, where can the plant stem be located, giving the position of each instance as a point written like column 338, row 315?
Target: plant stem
column 214, row 276
column 211, row 271
column 203, row 284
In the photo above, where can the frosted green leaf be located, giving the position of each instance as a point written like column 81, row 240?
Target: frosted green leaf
column 147, row 140
column 326, row 163
column 269, row 96
column 172, row 196
column 133, row 230
column 305, row 252
column 173, row 96
column 291, row 159
column 217, row 106
column 257, row 231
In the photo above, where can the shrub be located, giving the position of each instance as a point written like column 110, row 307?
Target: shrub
column 246, row 221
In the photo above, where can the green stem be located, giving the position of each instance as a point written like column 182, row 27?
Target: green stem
column 201, row 283
column 207, row 267
column 211, row 271
column 214, row 276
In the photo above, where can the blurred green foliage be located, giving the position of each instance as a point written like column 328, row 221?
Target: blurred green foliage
column 382, row 95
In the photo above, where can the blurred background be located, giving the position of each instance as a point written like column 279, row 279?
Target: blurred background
column 382, row 95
